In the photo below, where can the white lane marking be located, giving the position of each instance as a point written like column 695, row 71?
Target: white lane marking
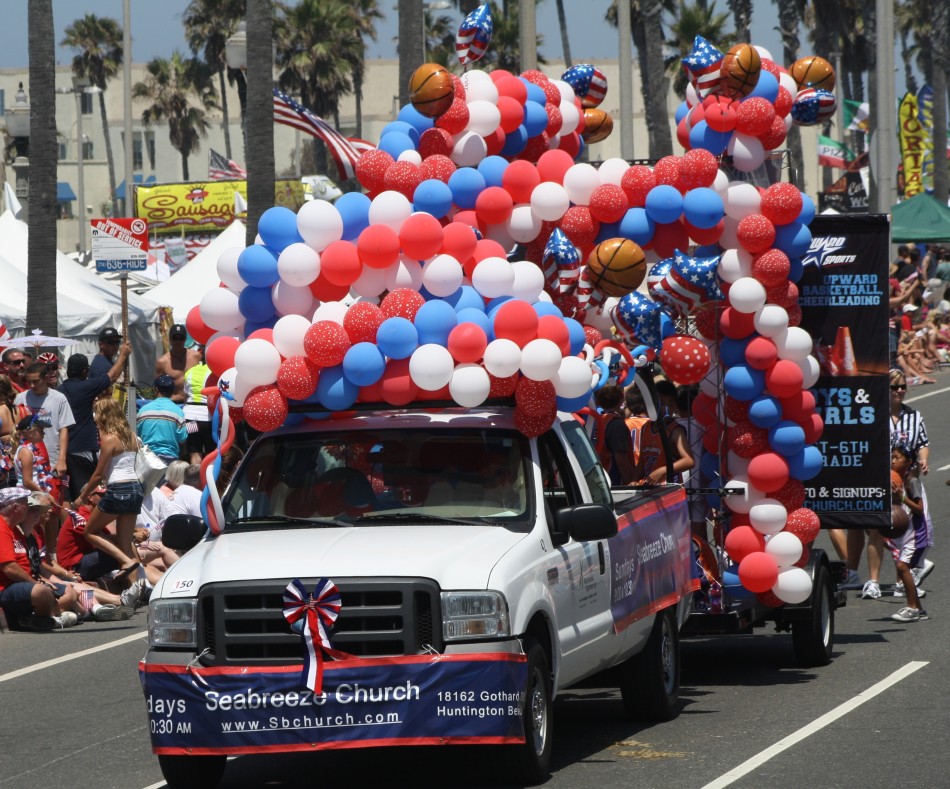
column 74, row 656
column 926, row 394
column 806, row 731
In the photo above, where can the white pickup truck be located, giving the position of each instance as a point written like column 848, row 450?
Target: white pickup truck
column 480, row 573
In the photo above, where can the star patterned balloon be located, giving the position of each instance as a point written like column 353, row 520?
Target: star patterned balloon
column 702, row 64
column 474, row 35
column 691, row 281
column 560, row 262
column 589, row 83
column 638, row 318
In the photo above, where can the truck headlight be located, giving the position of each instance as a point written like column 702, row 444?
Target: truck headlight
column 470, row 615
column 173, row 623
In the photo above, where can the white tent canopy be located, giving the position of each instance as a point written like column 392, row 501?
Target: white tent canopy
column 184, row 289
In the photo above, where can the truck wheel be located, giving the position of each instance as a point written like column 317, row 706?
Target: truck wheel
column 192, row 772
column 650, row 680
column 814, row 638
column 530, row 761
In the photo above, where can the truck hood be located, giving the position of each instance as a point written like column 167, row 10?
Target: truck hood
column 457, row 557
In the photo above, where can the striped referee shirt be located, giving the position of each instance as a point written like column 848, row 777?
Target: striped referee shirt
column 908, row 428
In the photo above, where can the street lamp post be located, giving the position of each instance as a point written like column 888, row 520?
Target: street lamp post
column 18, row 127
column 80, row 85
column 235, row 55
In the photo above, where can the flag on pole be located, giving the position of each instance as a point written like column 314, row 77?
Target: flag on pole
column 345, row 152
column 221, row 169
column 832, row 153
column 857, row 115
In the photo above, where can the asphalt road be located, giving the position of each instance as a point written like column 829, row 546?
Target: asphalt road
column 72, row 713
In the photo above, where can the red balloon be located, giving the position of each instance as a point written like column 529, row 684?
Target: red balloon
column 326, row 343
column 458, row 240
column 592, row 336
column 768, row 471
column 467, row 342
column 579, row 225
column 402, row 177
column 698, row 169
column 519, row 180
column 791, row 495
column 262, row 334
column 667, row 170
column 783, row 102
column 420, row 236
column 220, row 354
column 512, row 113
column 361, row 321
column 494, row 142
column 534, row 426
column 498, row 74
column 736, row 325
column 437, row 166
column 685, row 359
column 511, row 86
column 743, row 540
column 705, row 409
column 758, row 572
column 571, row 143
column 705, row 235
column 667, row 238
column 555, row 119
column 769, row 599
column 771, row 268
column 707, row 318
column 455, row 118
column 402, row 303
column 682, row 134
column 434, row 142
column 535, row 398
column 608, row 203
column 297, row 378
column 755, row 116
column 775, row 136
column 377, row 246
column 722, row 116
column 798, row 405
column 554, row 164
column 503, row 387
column 736, row 410
column 371, row 168
column 785, row 295
column 488, row 248
column 712, row 438
column 747, row 440
column 340, row 262
column 265, row 408
column 781, row 203
column 761, row 353
column 325, row 290
column 196, row 327
column 637, row 183
column 397, row 387
column 553, row 328
column 804, row 524
column 784, row 379
column 493, row 205
column 814, row 426
column 755, row 233
column 794, row 314
column 517, row 321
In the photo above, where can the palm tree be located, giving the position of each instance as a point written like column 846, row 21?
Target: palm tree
column 409, row 48
column 691, row 21
column 260, row 112
column 789, row 16
column 505, row 49
column 208, row 24
column 440, row 41
column 172, row 86
column 99, row 55
column 41, row 247
column 940, row 19
column 565, row 39
column 367, row 12
column 742, row 18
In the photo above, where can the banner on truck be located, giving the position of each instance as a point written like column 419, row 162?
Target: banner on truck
column 843, row 294
column 366, row 702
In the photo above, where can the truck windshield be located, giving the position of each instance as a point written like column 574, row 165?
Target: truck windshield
column 371, row 477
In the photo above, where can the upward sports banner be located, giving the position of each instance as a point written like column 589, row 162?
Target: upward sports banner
column 843, row 294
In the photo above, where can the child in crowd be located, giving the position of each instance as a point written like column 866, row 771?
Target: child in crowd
column 32, row 458
column 903, row 548
column 652, row 457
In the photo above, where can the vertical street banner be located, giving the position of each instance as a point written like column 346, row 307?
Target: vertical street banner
column 843, row 294
column 913, row 140
column 925, row 114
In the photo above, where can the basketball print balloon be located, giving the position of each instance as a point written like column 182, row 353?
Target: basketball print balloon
column 597, row 125
column 813, row 72
column 616, row 266
column 740, row 71
column 431, row 89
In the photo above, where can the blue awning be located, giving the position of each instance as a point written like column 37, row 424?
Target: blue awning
column 137, row 179
column 64, row 192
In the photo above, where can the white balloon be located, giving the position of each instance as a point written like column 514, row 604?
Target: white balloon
column 442, row 275
column 523, row 225
column 404, row 273
column 738, row 466
column 771, row 320
column 431, row 367
column 545, row 297
column 502, row 358
column 389, row 208
column 219, row 310
column 566, row 91
column 319, row 224
column 734, row 264
column 788, row 82
column 291, row 300
column 721, row 184
column 730, row 233
column 298, row 264
column 747, row 294
column 742, row 199
column 370, row 283
column 333, row 311
column 529, row 281
column 289, row 332
column 600, row 318
column 549, row 201
column 237, row 388
column 499, row 233
column 580, row 181
column 479, row 86
column 793, row 585
column 810, row 371
column 470, row 148
column 493, row 277
column 570, row 118
column 228, row 270
column 410, row 155
column 768, row 516
column 763, row 52
column 785, row 547
column 573, row 378
column 692, row 97
column 470, row 385
column 483, row 117
column 746, row 151
column 257, row 362
column 794, row 343
column 540, row 360
column 611, row 171
column 741, row 502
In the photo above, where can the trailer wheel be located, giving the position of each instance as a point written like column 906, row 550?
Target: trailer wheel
column 530, row 761
column 813, row 638
column 192, row 772
column 650, row 680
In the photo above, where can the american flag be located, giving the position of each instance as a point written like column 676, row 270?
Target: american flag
column 474, row 35
column 588, row 82
column 221, row 169
column 693, row 280
column 560, row 261
column 703, row 64
column 345, row 152
column 637, row 317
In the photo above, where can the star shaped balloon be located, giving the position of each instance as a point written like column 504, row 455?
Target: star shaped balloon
column 691, row 281
column 588, row 81
column 560, row 262
column 474, row 35
column 638, row 320
column 703, row 64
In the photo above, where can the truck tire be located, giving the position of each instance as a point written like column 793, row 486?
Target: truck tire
column 650, row 680
column 530, row 761
column 814, row 638
column 192, row 772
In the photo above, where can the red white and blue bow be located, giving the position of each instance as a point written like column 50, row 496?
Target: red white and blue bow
column 315, row 612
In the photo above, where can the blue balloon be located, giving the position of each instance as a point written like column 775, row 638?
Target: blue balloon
column 535, row 118
column 252, row 326
column 732, row 352
column 571, row 404
column 709, row 464
column 432, row 196
column 479, row 318
column 354, row 210
column 396, row 143
column 465, row 297
column 256, row 304
column 607, row 230
column 492, row 169
column 808, row 210
column 731, row 584
column 697, row 134
column 707, row 251
column 543, row 308
column 494, row 304
column 716, row 142
column 766, row 88
column 743, row 382
column 787, row 438
column 796, row 269
column 334, row 391
column 681, row 112
column 576, row 336
column 794, row 239
column 397, row 338
column 278, row 228
column 363, row 364
column 765, row 411
column 515, row 142
column 667, row 327
column 466, row 184
column 434, row 320
column 412, row 116
column 292, row 420
column 637, row 226
column 664, row 204
column 703, row 208
column 805, row 464
column 535, row 92
column 257, row 266
column 401, row 126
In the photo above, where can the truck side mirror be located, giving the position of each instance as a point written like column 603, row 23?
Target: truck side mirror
column 183, row 532
column 587, row 522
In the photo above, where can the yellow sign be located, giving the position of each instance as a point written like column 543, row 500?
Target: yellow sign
column 913, row 145
column 203, row 206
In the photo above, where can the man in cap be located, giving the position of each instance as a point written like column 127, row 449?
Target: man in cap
column 177, row 360
column 81, row 390
column 109, row 343
column 161, row 423
column 24, row 596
